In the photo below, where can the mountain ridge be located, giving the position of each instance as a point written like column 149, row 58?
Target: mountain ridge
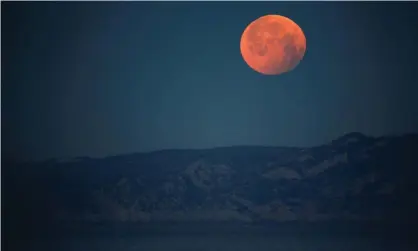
column 352, row 178
column 349, row 135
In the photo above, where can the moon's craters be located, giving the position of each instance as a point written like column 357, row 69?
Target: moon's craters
column 273, row 44
column 260, row 49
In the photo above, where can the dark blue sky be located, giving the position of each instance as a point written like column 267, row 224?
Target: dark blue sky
column 106, row 78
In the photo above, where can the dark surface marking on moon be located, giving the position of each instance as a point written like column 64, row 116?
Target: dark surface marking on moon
column 262, row 51
column 291, row 55
column 259, row 48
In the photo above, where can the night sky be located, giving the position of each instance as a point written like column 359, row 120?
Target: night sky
column 98, row 79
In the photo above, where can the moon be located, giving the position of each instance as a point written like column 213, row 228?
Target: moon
column 273, row 45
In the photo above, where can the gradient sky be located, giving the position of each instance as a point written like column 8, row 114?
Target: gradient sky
column 96, row 79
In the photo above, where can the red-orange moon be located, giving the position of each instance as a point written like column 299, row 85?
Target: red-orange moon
column 273, row 44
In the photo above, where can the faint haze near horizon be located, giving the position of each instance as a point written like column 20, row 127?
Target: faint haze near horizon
column 99, row 79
